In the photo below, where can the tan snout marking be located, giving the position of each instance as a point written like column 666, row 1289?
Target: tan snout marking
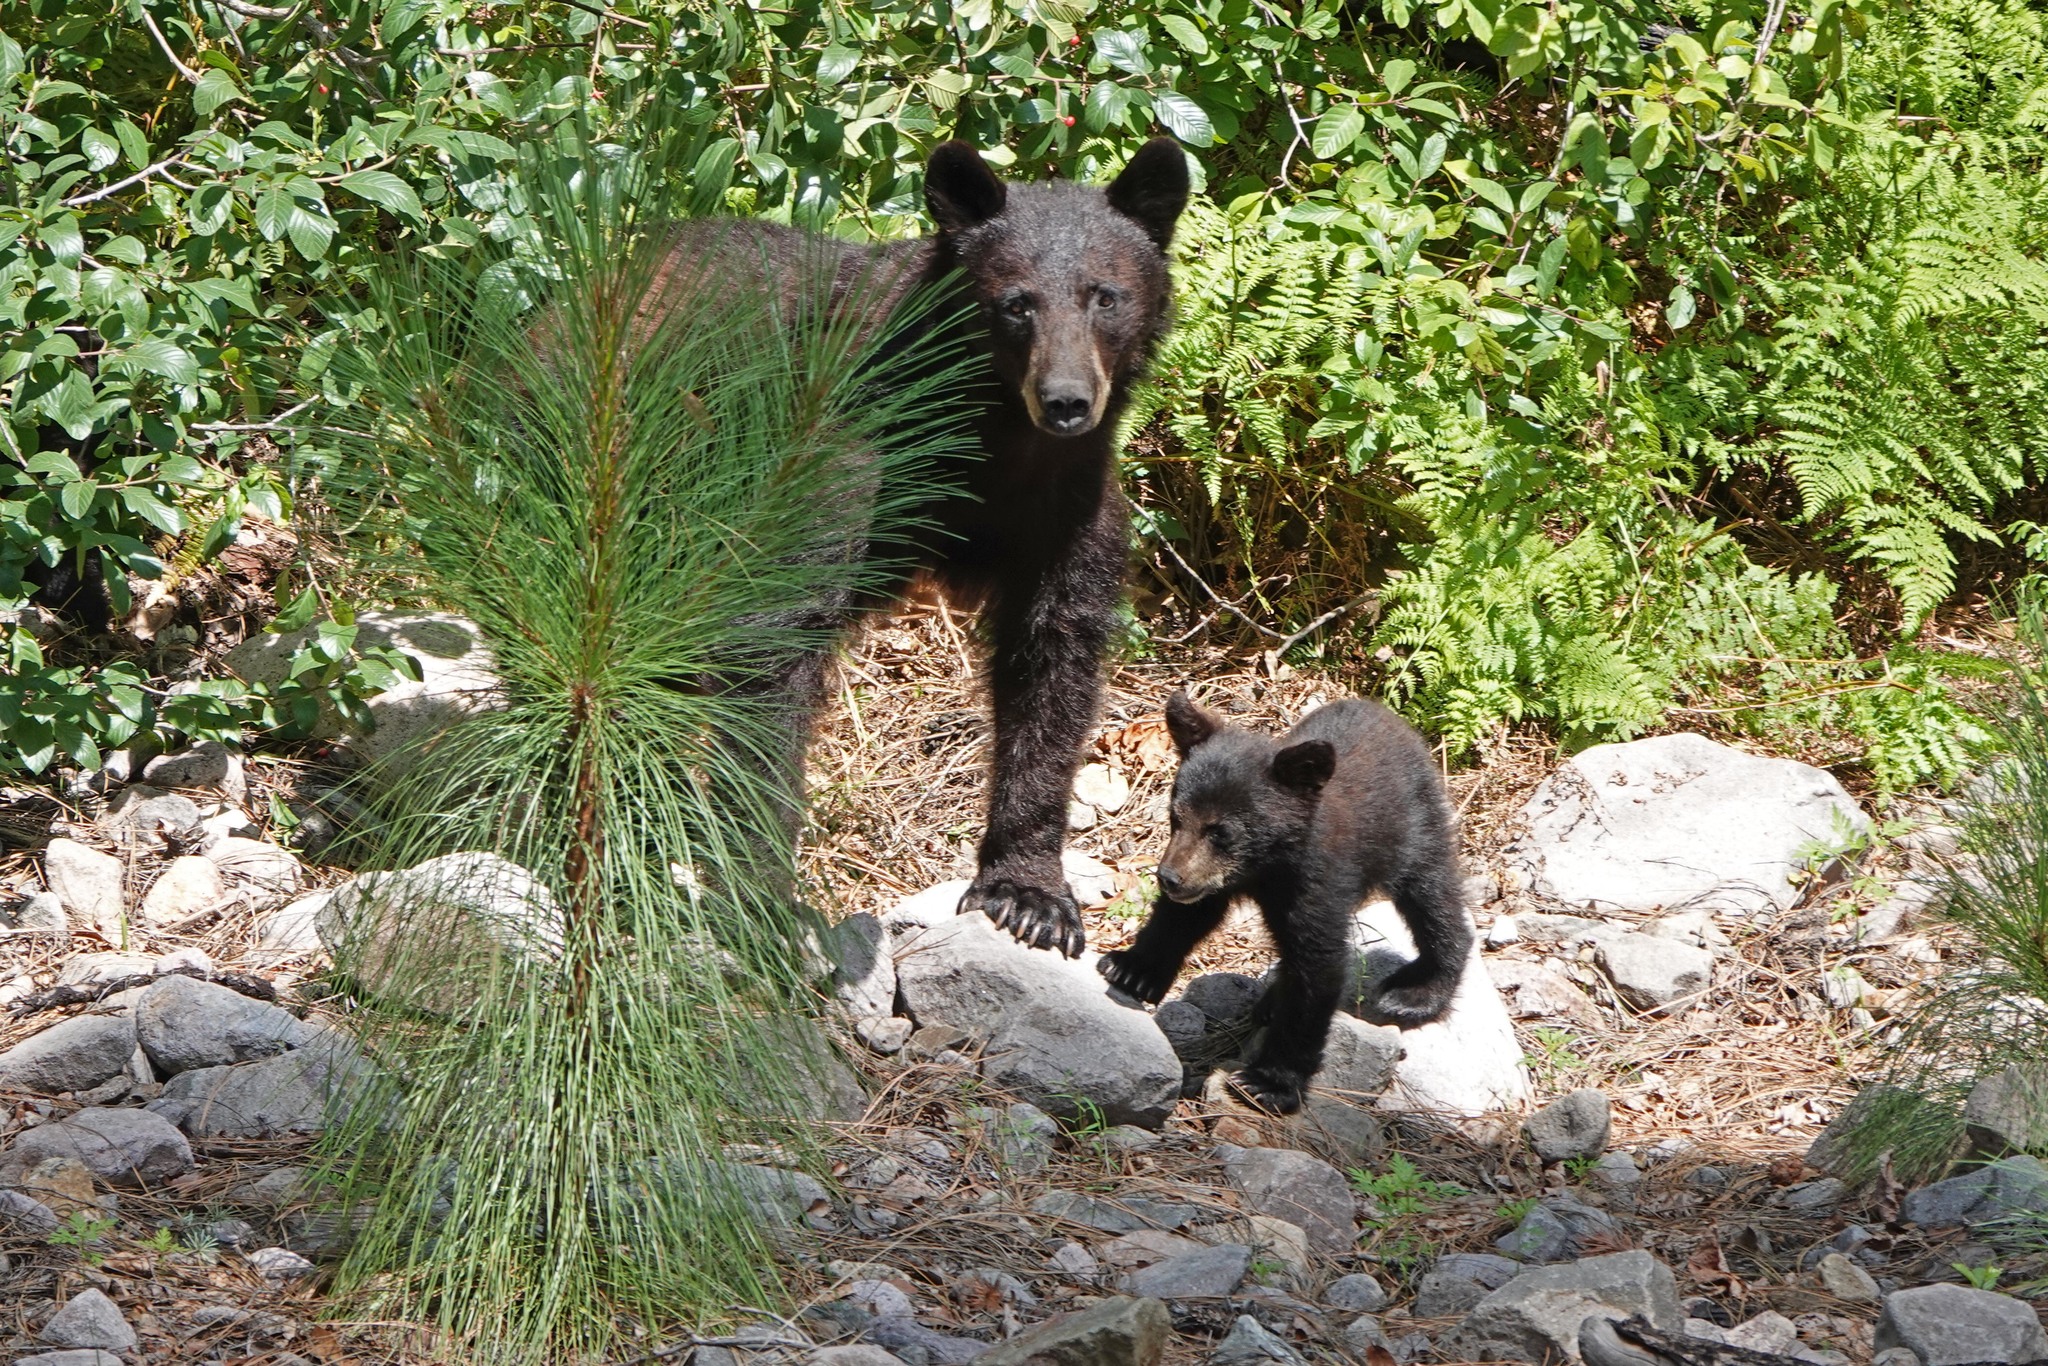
column 1193, row 860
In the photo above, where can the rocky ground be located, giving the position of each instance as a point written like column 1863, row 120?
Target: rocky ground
column 1688, row 956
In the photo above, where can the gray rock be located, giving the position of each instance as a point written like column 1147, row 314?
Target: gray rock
column 1249, row 1342
column 1834, row 1151
column 457, row 681
column 1616, row 1172
column 301, row 1092
column 280, row 1264
column 293, row 928
column 89, row 884
column 863, row 973
column 1572, row 1126
column 1295, row 1187
column 1209, row 1273
column 905, row 1336
column 1946, row 1325
column 1537, row 1315
column 98, row 969
column 1339, row 1131
column 884, row 1035
column 1113, row 1332
column 1363, row 1334
column 1469, row 1062
column 119, row 1147
column 1534, row 992
column 1677, row 820
column 89, row 1319
column 183, row 1023
column 1226, row 998
column 851, row 1354
column 1650, row 973
column 924, row 910
column 1558, row 1230
column 42, row 913
column 208, row 763
column 1811, row 1198
column 776, row 1196
column 1023, row 1136
column 1359, row 1061
column 1459, row 1281
column 25, row 1215
column 1847, row 1281
column 1996, row 1190
column 71, row 1055
column 1769, row 1331
column 1129, row 1138
column 1895, row 1356
column 420, row 935
column 1600, row 1345
column 1907, row 903
column 2008, row 1111
column 188, row 886
column 1185, row 1027
column 1694, row 928
column 810, row 1079
column 1055, row 1038
column 978, row 1282
column 1123, row 1216
column 269, row 872
column 148, row 818
column 881, row 1298
column 1358, row 1292
column 85, row 1356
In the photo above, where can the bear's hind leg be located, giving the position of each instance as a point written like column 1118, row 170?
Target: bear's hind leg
column 1419, row 993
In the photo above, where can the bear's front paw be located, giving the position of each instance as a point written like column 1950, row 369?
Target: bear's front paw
column 1039, row 917
column 1134, row 977
column 1271, row 1089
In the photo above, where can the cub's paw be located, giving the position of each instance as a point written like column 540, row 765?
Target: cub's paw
column 1270, row 1089
column 1134, row 977
column 1412, row 998
column 1038, row 917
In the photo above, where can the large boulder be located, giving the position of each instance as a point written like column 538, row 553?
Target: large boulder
column 2011, row 1186
column 1536, row 1316
column 300, row 1092
column 183, row 1023
column 72, row 1055
column 1678, row 820
column 425, row 935
column 2007, row 1112
column 1469, row 1062
column 1054, row 1036
column 118, row 1146
column 457, row 680
column 1948, row 1325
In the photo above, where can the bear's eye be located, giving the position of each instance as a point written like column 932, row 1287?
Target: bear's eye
column 1017, row 306
column 1105, row 297
column 1218, row 835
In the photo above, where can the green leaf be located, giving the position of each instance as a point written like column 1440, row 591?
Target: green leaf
column 383, row 189
column 1679, row 309
column 1190, row 38
column 161, row 356
column 101, row 150
column 1125, row 51
column 712, row 175
column 215, row 88
column 1336, row 130
column 61, row 235
column 273, row 212
column 1396, row 74
column 123, row 249
column 133, row 144
column 1493, row 192
column 296, row 614
column 1183, row 118
column 835, row 64
column 153, row 510
column 76, row 499
column 310, row 232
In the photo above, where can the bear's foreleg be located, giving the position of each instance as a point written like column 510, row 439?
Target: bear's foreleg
column 1315, row 953
column 1045, row 682
column 1147, row 968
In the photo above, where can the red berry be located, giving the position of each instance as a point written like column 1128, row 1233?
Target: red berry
column 1074, row 41
column 1068, row 120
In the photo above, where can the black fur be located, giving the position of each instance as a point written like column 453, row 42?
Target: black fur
column 1066, row 294
column 1308, row 826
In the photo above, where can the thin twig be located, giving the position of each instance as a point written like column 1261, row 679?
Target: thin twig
column 120, row 185
column 269, row 425
column 187, row 72
column 1216, row 597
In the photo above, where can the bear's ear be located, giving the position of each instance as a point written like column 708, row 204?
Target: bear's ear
column 1305, row 767
column 1187, row 723
column 959, row 188
column 1153, row 189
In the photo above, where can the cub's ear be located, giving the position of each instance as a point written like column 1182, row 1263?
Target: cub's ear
column 959, row 188
column 1153, row 189
column 1188, row 724
column 1305, row 767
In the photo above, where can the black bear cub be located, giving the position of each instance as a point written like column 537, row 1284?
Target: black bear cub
column 1308, row 826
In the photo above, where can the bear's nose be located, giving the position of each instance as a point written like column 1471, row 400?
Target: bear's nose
column 1066, row 410
column 1169, row 881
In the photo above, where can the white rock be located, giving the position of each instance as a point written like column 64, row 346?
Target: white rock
column 1678, row 820
column 266, row 869
column 1502, row 931
column 1652, row 973
column 457, row 680
column 1469, row 1062
column 1092, row 881
column 921, row 910
column 292, row 928
column 42, row 913
column 279, row 1264
column 88, row 882
column 188, row 886
column 1102, row 787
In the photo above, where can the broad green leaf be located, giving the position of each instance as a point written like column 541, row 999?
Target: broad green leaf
column 153, row 510
column 101, row 150
column 124, row 249
column 1336, row 130
column 215, row 88
column 273, row 212
column 1125, row 51
column 76, row 498
column 835, row 64
column 383, row 189
column 1679, row 309
column 61, row 235
column 1396, row 74
column 1183, row 118
column 1190, row 38
column 161, row 356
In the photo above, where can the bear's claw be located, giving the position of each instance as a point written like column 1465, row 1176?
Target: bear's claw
column 1267, row 1091
column 1036, row 917
column 1130, row 977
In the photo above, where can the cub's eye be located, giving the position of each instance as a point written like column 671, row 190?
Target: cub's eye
column 1016, row 306
column 1217, row 835
column 1106, row 298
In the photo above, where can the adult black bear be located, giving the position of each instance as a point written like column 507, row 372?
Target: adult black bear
column 1066, row 294
column 1308, row 826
